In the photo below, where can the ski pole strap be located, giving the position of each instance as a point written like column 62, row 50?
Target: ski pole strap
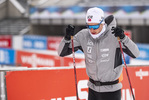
column 98, row 83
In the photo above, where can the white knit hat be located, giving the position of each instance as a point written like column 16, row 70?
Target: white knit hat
column 94, row 15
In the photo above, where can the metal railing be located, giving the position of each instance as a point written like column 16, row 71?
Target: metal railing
column 13, row 26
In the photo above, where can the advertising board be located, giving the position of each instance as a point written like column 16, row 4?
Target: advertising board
column 59, row 84
column 7, row 56
column 34, row 42
column 5, row 41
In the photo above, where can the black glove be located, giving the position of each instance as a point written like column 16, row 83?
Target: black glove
column 118, row 32
column 69, row 32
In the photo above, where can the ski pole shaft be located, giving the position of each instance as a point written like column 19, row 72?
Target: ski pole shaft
column 74, row 65
column 126, row 68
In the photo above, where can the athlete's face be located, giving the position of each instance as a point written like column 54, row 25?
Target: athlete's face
column 95, row 28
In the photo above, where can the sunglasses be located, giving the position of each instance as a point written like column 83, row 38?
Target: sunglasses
column 94, row 26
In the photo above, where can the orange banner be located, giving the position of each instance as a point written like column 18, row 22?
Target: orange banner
column 59, row 84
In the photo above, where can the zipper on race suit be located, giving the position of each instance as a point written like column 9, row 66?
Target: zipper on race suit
column 97, row 59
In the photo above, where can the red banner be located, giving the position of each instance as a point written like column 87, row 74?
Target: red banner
column 53, row 42
column 5, row 41
column 139, row 77
column 59, row 84
column 30, row 59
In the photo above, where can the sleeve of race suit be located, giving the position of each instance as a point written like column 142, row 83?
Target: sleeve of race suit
column 65, row 46
column 129, row 47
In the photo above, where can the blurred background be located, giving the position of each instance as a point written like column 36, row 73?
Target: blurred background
column 50, row 17
column 31, row 30
column 40, row 24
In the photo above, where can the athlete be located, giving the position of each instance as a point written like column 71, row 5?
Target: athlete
column 103, row 57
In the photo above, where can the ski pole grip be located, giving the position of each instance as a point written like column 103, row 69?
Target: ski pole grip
column 118, row 38
column 71, row 37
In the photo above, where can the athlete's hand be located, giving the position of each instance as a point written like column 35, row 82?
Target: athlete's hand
column 118, row 32
column 69, row 32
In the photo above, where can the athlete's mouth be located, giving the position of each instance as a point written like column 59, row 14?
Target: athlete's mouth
column 93, row 33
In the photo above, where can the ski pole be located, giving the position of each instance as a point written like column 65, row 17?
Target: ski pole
column 126, row 68
column 74, row 65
